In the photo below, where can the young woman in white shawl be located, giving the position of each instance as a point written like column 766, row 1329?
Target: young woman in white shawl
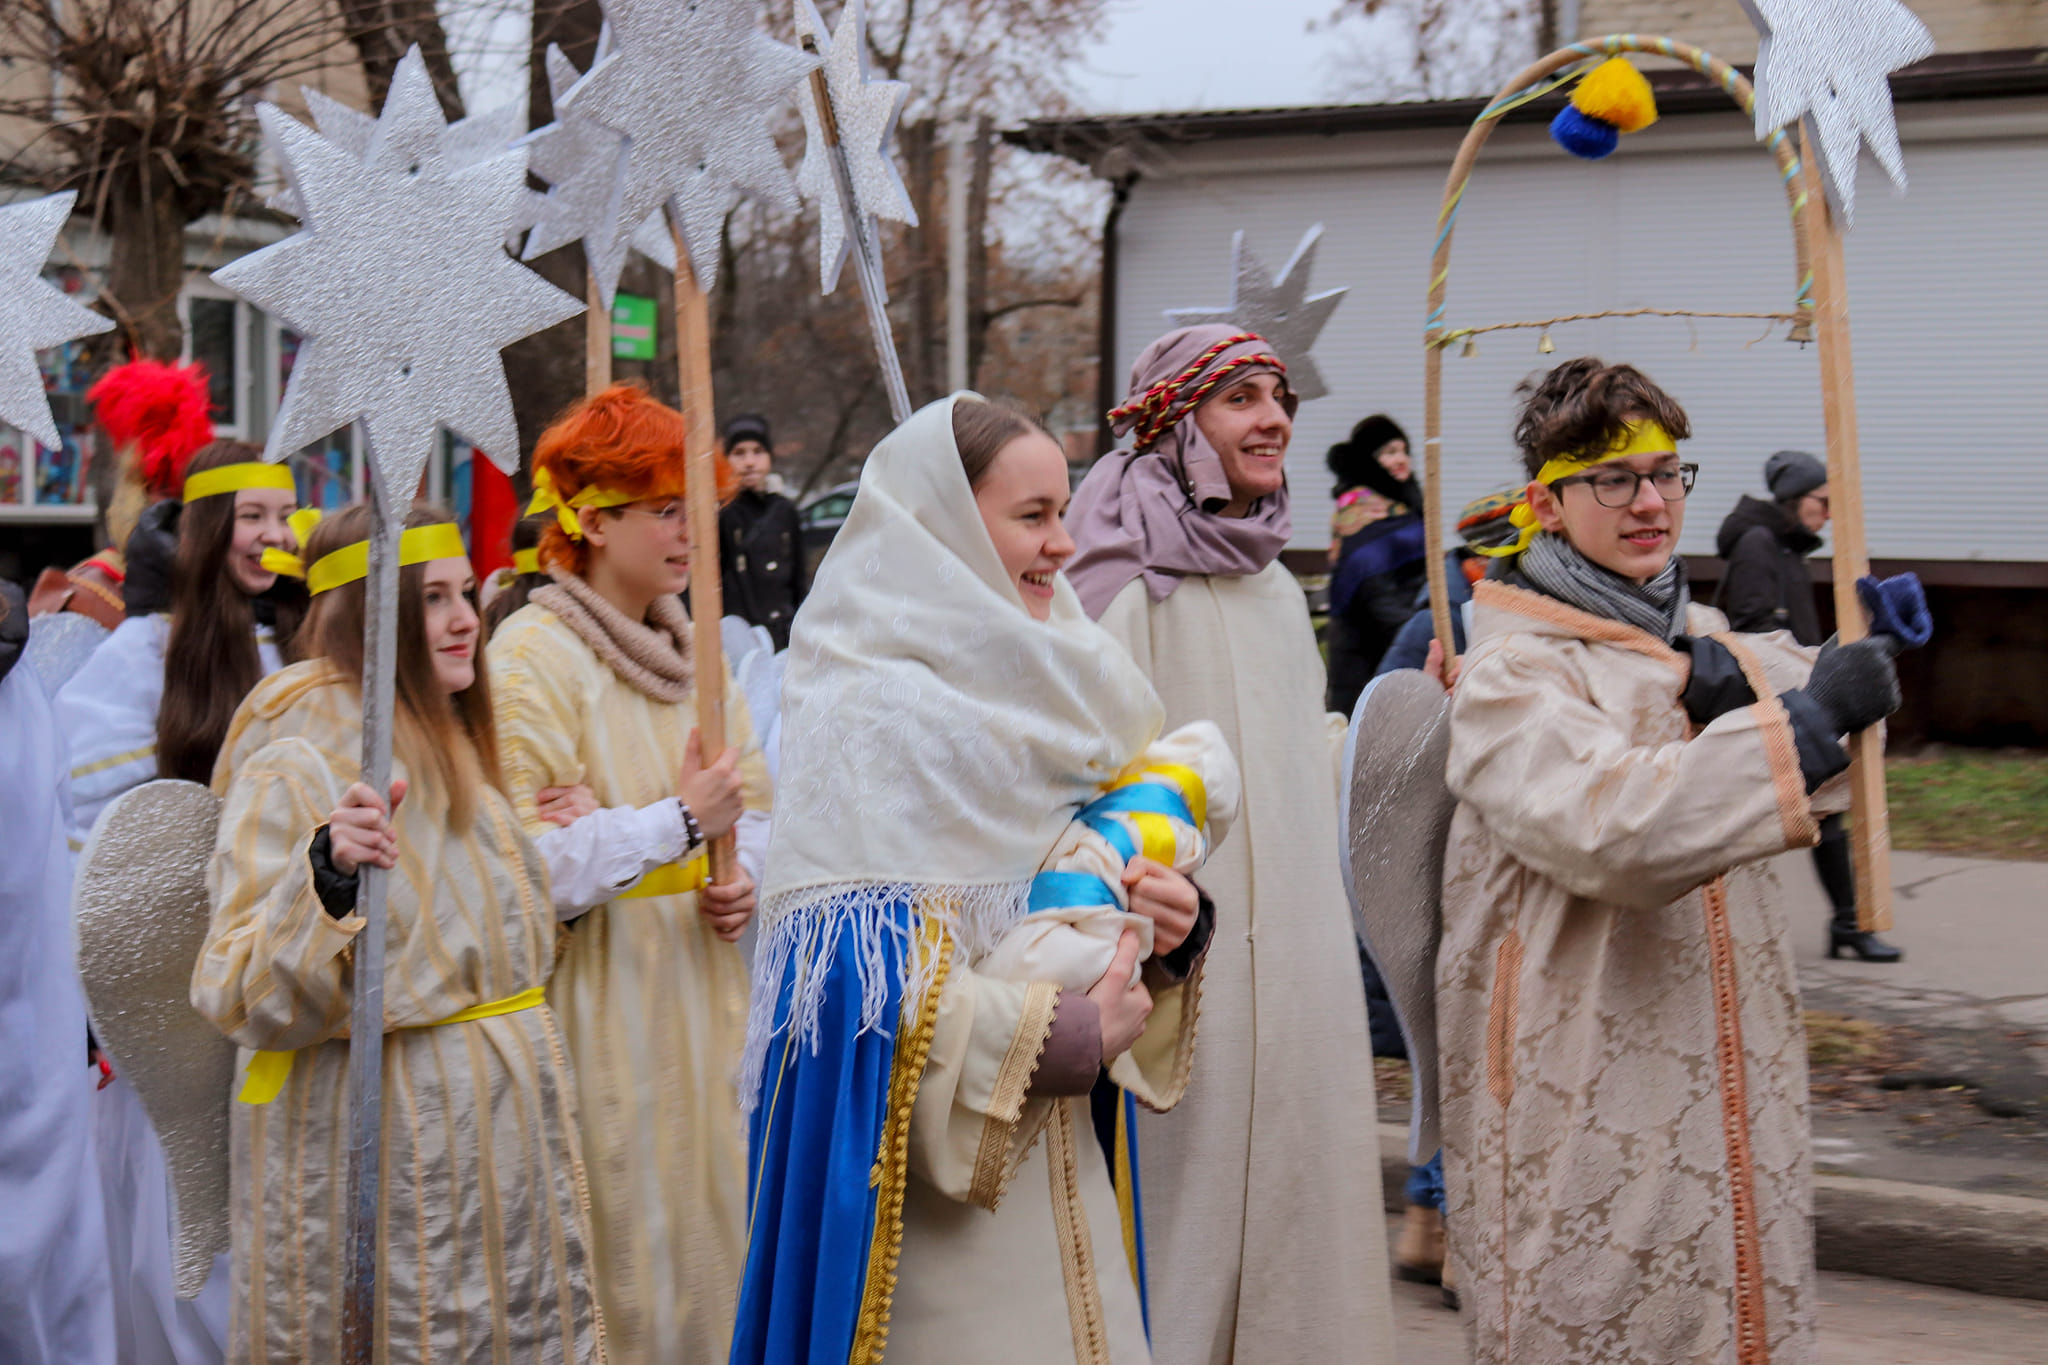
column 948, row 708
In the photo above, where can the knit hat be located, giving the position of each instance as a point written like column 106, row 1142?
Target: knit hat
column 1793, row 473
column 1483, row 522
column 748, row 426
column 1346, row 457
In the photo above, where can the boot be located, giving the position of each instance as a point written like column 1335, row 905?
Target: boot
column 1419, row 1255
column 1843, row 935
column 1450, row 1287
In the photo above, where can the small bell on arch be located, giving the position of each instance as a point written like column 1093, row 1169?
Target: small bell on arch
column 1544, row 345
column 1471, row 346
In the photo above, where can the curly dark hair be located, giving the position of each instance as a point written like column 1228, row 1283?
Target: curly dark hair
column 1587, row 405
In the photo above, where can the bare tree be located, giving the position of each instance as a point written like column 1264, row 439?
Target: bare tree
column 1433, row 49
column 382, row 31
column 146, row 107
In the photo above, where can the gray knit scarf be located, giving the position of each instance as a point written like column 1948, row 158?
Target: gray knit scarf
column 1557, row 570
column 651, row 657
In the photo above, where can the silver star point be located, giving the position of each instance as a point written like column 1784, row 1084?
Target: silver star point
column 866, row 111
column 688, row 84
column 34, row 314
column 1279, row 308
column 1830, row 60
column 466, row 141
column 400, row 284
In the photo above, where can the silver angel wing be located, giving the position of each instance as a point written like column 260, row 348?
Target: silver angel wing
column 59, row 644
column 1394, row 822
column 141, row 906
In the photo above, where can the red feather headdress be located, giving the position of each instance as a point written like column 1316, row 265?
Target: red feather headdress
column 159, row 411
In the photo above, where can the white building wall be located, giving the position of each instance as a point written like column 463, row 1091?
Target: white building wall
column 1949, row 297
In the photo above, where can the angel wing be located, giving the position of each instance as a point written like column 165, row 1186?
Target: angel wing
column 1393, row 825
column 140, row 901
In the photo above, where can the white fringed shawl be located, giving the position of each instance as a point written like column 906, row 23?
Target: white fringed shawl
column 936, row 740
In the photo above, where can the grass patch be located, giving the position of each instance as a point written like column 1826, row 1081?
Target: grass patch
column 1992, row 805
column 1838, row 1040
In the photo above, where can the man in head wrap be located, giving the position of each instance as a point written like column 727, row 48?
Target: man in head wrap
column 1261, row 1200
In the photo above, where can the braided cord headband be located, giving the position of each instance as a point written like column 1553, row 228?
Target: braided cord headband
column 1162, row 406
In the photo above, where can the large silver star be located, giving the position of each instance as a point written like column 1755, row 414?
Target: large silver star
column 466, row 141
column 1280, row 310
column 1829, row 59
column 689, row 83
column 400, row 284
column 34, row 314
column 866, row 112
column 582, row 160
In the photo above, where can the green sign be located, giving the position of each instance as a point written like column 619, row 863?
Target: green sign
column 632, row 327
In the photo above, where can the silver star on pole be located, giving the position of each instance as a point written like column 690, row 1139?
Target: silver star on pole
column 866, row 112
column 1830, row 59
column 466, row 141
column 1280, row 310
column 580, row 159
column 34, row 314
column 689, row 84
column 400, row 284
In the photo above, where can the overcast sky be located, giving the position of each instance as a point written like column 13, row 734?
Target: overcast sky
column 1173, row 55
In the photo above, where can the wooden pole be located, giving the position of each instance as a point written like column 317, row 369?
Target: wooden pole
column 693, row 363
column 1870, row 817
column 597, row 339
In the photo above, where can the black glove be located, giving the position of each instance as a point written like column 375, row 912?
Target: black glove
column 152, row 546
column 1856, row 684
column 1716, row 686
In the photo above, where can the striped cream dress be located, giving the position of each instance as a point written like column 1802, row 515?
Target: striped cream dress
column 483, row 1246
column 653, row 1003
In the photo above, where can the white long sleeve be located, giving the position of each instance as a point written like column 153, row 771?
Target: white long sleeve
column 751, row 836
column 607, row 851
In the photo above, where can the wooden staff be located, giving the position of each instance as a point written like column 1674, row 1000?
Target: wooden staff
column 1870, row 818
column 693, row 363
column 597, row 339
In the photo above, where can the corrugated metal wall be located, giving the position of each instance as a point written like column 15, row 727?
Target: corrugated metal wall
column 1949, row 295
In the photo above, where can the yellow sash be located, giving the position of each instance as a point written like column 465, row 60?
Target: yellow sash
column 268, row 1071
column 670, row 879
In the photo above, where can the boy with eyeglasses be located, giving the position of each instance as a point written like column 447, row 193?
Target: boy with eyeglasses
column 1627, row 1156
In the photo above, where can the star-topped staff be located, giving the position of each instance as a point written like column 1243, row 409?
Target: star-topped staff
column 400, row 285
column 849, row 122
column 34, row 314
column 1828, row 60
column 1279, row 308
column 689, row 85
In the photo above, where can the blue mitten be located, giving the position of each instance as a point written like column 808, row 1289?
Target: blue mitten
column 1898, row 608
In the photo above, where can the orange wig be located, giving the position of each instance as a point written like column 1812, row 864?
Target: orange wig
column 623, row 441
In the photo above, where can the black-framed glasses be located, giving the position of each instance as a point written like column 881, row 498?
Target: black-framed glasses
column 1617, row 487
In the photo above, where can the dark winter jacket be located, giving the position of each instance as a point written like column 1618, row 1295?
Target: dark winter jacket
column 1372, row 591
column 1411, row 644
column 1766, row 585
column 761, row 557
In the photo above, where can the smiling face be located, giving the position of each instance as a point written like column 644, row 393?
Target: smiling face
column 448, row 591
column 1248, row 425
column 259, row 525
column 1022, row 496
column 750, row 461
column 1635, row 541
column 1394, row 458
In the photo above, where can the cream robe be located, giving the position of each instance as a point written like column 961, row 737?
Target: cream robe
column 1263, row 1214
column 654, row 1005
column 1626, row 1148
column 483, row 1245
column 1013, row 1245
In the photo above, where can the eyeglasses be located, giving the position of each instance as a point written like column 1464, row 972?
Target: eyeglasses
column 1618, row 487
column 671, row 515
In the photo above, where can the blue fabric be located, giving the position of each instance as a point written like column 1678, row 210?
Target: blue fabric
column 1382, row 547
column 1426, row 1183
column 1141, row 796
column 1114, row 834
column 1898, row 608
column 816, row 1129
column 1109, row 1104
column 1065, row 890
column 1410, row 648
column 1582, row 135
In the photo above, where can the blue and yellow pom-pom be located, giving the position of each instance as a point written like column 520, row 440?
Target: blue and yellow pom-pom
column 1612, row 99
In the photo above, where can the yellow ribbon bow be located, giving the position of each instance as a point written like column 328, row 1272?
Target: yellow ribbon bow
column 545, row 496
column 285, row 562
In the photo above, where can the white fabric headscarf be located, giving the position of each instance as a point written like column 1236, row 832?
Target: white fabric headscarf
column 936, row 740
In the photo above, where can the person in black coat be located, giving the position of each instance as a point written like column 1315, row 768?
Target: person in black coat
column 760, row 538
column 1767, row 586
column 1376, row 552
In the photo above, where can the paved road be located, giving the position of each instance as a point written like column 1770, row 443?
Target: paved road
column 1862, row 1322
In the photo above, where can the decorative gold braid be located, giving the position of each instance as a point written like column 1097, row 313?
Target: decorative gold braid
column 892, row 1160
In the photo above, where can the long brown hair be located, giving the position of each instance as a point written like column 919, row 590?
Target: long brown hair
column 211, row 662
column 448, row 744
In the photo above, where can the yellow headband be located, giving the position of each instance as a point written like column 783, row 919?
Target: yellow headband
column 526, row 561
column 420, row 545
column 233, row 478
column 1639, row 438
column 545, row 496
column 285, row 562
